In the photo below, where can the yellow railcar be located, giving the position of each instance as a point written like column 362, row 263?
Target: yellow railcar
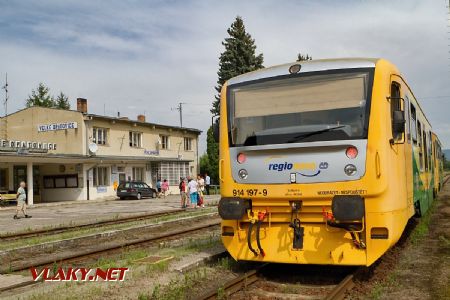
column 321, row 162
column 438, row 164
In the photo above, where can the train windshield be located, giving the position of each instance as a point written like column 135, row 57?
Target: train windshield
column 306, row 108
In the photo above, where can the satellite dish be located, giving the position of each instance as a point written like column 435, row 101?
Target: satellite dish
column 93, row 148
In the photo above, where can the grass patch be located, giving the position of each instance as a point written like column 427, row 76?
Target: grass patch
column 377, row 291
column 422, row 229
column 179, row 288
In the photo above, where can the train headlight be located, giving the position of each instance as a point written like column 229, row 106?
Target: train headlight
column 243, row 174
column 350, row 170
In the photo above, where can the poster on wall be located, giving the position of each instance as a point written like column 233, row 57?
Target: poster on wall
column 101, row 189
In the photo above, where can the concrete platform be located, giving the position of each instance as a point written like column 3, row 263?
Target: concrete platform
column 14, row 281
column 81, row 212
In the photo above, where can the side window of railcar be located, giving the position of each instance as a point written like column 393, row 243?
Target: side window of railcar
column 425, row 149
column 407, row 117
column 431, row 149
column 413, row 121
column 395, row 106
column 419, row 142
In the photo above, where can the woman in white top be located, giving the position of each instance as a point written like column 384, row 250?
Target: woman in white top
column 193, row 192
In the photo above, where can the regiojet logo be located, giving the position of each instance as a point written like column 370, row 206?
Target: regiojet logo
column 307, row 169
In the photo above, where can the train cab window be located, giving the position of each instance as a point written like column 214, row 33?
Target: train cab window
column 413, row 121
column 396, row 105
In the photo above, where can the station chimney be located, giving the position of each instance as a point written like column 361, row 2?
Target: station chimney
column 141, row 118
column 82, row 105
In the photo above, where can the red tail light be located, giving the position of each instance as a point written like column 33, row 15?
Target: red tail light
column 351, row 152
column 241, row 158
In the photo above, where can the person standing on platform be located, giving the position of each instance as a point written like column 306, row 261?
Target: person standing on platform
column 207, row 183
column 158, row 187
column 201, row 190
column 182, row 187
column 165, row 187
column 21, row 201
column 193, row 192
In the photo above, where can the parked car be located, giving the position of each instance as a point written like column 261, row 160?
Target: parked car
column 135, row 189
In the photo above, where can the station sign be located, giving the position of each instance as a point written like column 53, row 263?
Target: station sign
column 57, row 126
column 151, row 152
column 23, row 147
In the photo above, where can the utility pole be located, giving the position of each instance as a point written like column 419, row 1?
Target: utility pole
column 4, row 126
column 180, row 110
column 5, row 87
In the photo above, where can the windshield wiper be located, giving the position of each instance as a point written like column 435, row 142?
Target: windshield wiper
column 303, row 136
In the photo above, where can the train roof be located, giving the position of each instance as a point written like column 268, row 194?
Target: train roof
column 306, row 66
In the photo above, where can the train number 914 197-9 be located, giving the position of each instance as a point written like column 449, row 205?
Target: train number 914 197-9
column 249, row 192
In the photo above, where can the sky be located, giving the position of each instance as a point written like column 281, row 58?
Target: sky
column 138, row 57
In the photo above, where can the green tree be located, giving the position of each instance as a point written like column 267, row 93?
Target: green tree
column 40, row 97
column 204, row 164
column 212, row 152
column 301, row 57
column 239, row 57
column 62, row 101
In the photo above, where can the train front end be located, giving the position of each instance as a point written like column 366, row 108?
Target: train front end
column 293, row 164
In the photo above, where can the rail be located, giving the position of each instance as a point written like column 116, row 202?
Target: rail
column 100, row 251
column 56, row 230
column 245, row 280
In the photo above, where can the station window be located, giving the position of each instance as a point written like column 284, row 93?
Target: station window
column 61, row 181
column 135, row 139
column 165, row 142
column 138, row 173
column 101, row 177
column 187, row 144
column 99, row 135
column 3, row 180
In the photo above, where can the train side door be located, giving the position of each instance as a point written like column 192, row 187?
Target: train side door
column 399, row 141
column 409, row 152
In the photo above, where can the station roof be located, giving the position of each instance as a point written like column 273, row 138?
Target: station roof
column 108, row 118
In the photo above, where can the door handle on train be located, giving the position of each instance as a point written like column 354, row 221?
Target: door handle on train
column 377, row 165
column 221, row 162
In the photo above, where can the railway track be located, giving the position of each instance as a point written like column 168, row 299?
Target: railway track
column 68, row 228
column 102, row 251
column 245, row 281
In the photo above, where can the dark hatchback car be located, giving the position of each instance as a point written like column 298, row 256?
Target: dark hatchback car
column 135, row 189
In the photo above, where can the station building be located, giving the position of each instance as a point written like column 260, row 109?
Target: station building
column 74, row 155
